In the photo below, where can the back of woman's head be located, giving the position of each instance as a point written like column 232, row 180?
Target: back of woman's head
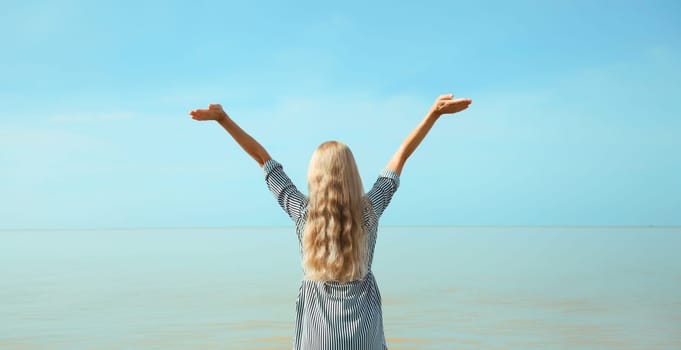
column 334, row 241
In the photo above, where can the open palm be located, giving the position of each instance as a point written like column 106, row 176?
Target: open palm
column 213, row 112
column 447, row 104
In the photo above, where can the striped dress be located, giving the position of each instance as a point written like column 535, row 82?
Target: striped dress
column 333, row 315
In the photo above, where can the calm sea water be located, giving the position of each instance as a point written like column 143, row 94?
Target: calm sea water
column 442, row 288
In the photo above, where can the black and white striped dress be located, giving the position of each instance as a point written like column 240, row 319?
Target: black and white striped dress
column 333, row 315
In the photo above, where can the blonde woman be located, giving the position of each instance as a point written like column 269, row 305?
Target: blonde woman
column 339, row 304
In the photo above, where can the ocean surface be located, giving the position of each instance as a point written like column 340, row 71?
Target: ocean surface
column 442, row 287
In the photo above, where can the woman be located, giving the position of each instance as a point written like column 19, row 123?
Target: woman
column 339, row 304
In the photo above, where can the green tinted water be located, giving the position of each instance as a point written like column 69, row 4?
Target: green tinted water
column 442, row 288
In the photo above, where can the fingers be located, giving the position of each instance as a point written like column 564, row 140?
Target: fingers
column 196, row 112
column 445, row 97
column 453, row 106
column 213, row 112
column 212, row 106
column 459, row 104
column 199, row 114
column 461, row 100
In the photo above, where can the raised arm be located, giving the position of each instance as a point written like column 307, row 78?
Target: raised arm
column 248, row 143
column 445, row 104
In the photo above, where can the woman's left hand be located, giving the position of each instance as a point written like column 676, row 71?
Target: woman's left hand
column 447, row 104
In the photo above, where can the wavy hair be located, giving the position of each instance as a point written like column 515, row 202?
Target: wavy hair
column 334, row 240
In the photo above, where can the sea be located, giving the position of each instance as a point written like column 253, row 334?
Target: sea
column 442, row 287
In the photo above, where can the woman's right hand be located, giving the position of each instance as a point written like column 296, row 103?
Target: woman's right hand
column 447, row 104
column 213, row 112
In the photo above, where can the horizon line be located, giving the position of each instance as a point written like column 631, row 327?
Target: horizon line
column 251, row 227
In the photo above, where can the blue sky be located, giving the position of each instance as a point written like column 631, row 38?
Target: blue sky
column 574, row 121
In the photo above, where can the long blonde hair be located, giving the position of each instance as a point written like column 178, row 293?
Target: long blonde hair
column 334, row 241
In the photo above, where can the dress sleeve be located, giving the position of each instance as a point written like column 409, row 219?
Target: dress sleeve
column 383, row 190
column 290, row 199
